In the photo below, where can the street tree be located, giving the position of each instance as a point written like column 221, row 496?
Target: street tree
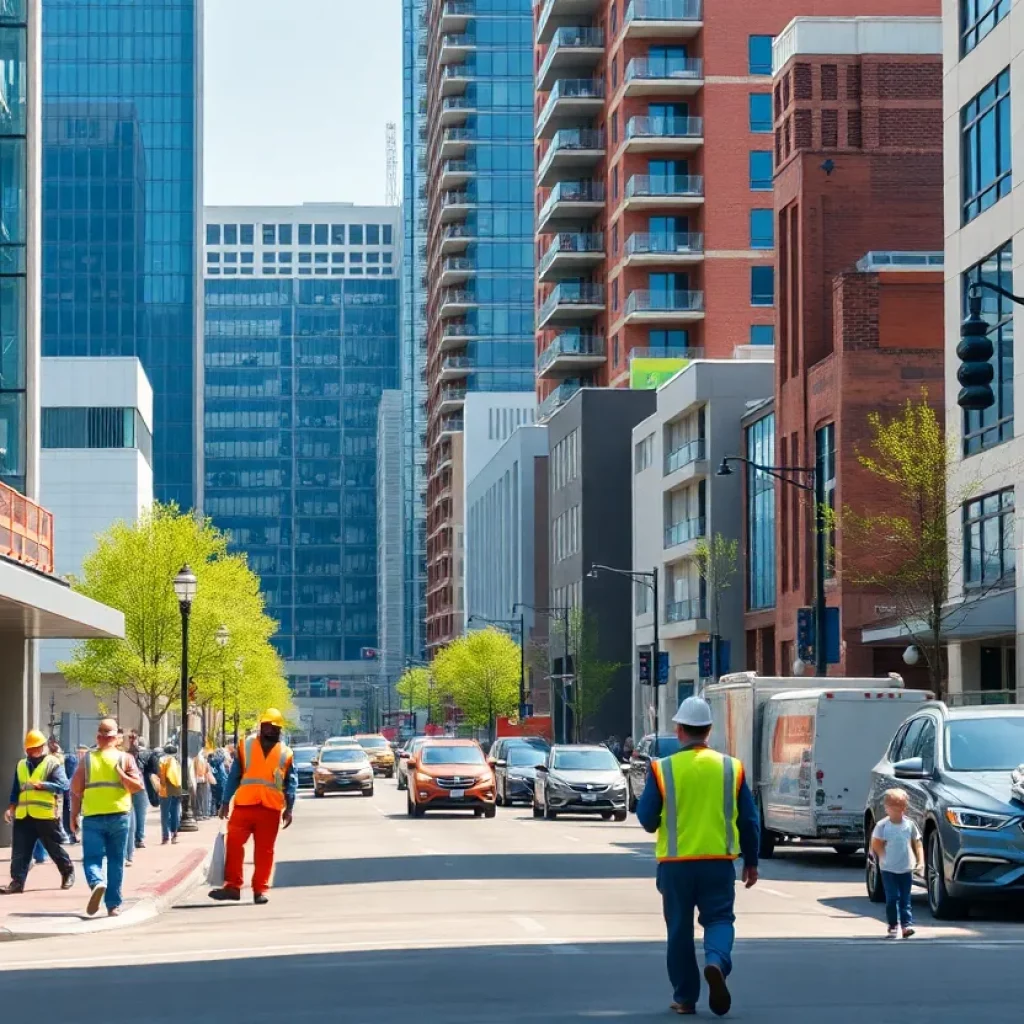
column 592, row 675
column 717, row 564
column 413, row 688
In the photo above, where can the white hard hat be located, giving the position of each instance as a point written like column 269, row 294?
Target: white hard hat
column 694, row 712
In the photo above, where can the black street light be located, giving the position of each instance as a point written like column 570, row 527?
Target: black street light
column 562, row 610
column 816, row 474
column 509, row 625
column 222, row 636
column 185, row 584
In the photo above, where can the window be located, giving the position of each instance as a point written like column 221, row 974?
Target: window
column 615, row 294
column 387, row 257
column 759, row 55
column 762, row 334
column 247, row 257
column 305, row 257
column 924, row 748
column 373, row 234
column 337, row 257
column 386, row 230
column 373, row 257
column 231, row 257
column 985, row 144
column 269, row 233
column 213, row 234
column 269, row 257
column 910, row 738
column 761, row 170
column 305, row 234
column 213, row 257
column 355, row 234
column 320, row 257
column 641, row 597
column 615, row 182
column 988, row 541
column 355, row 257
column 245, row 234
column 977, row 19
column 762, row 286
column 615, row 128
column 284, row 234
column 337, row 234
column 668, row 340
column 615, row 350
column 760, row 438
column 762, row 229
column 760, row 111
column 985, row 428
column 95, row 427
column 320, row 234
column 644, row 454
column 284, row 257
column 825, row 451
column 615, row 72
column 231, row 234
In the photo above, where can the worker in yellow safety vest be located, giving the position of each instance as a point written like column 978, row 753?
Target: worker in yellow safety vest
column 38, row 781
column 699, row 804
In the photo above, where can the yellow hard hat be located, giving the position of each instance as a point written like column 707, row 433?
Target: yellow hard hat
column 273, row 717
column 34, row 738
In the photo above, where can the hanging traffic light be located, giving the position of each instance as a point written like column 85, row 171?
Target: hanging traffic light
column 975, row 372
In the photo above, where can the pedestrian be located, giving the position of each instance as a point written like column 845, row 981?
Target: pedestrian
column 101, row 794
column 701, row 807
column 627, row 748
column 202, row 786
column 39, row 780
column 263, row 782
column 70, row 762
column 140, row 803
column 219, row 774
column 896, row 842
column 170, row 795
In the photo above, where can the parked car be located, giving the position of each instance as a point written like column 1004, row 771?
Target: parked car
column 379, row 751
column 955, row 765
column 640, row 762
column 450, row 775
column 339, row 741
column 514, row 759
column 343, row 770
column 402, row 762
column 303, row 758
column 580, row 778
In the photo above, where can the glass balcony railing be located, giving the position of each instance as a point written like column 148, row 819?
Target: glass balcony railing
column 457, row 363
column 459, row 71
column 556, row 399
column 663, row 10
column 689, row 69
column 667, row 185
column 664, row 127
column 458, row 134
column 458, row 103
column 684, row 454
column 452, row 424
column 684, row 611
column 456, row 166
column 574, row 344
column 576, row 138
column 681, row 532
column 645, row 301
column 458, row 231
column 567, row 242
column 573, row 192
column 572, row 293
column 453, row 395
column 458, row 9
column 572, row 39
column 667, row 243
column 458, row 263
column 459, row 330
column 571, row 88
column 456, row 297
column 459, row 40
column 454, row 198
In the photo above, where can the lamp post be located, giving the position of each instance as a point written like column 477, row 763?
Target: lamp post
column 238, row 670
column 816, row 475
column 222, row 636
column 518, row 624
column 562, row 610
column 185, row 590
column 648, row 579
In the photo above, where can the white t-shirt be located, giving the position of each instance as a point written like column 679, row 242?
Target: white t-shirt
column 898, row 837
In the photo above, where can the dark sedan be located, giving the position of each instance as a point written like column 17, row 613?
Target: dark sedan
column 640, row 762
column 303, row 758
column 514, row 759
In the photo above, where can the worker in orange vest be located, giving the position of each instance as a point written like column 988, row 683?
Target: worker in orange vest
column 264, row 783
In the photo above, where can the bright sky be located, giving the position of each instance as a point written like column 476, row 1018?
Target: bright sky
column 298, row 93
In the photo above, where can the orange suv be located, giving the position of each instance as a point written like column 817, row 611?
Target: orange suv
column 450, row 775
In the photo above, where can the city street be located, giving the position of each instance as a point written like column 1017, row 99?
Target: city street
column 379, row 918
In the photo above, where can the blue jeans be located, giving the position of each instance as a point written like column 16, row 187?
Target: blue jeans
column 897, row 898
column 708, row 886
column 104, row 837
column 170, row 815
column 140, row 807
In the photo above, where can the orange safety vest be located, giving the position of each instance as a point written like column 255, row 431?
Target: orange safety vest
column 263, row 777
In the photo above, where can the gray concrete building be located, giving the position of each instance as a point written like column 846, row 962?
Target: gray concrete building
column 392, row 534
column 677, row 503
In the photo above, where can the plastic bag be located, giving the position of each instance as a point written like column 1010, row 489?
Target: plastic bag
column 215, row 872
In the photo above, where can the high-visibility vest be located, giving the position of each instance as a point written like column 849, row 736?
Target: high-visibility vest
column 36, row 803
column 263, row 776
column 105, row 793
column 699, row 805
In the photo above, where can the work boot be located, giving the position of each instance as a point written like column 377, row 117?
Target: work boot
column 259, row 898
column 12, row 889
column 68, row 880
column 224, row 894
column 718, row 992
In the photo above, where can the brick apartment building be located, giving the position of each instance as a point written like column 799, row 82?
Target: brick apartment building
column 858, row 203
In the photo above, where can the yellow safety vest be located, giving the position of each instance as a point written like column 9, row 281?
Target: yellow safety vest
column 105, row 793
column 699, row 805
column 36, row 803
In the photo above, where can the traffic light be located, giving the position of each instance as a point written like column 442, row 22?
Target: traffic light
column 975, row 372
column 645, row 667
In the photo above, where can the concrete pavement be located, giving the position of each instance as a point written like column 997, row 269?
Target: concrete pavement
column 380, row 918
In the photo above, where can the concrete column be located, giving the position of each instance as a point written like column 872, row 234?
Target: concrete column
column 19, row 699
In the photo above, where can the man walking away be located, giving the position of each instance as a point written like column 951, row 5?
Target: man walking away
column 71, row 762
column 263, row 782
column 101, row 792
column 39, row 780
column 170, row 795
column 140, row 800
column 699, row 804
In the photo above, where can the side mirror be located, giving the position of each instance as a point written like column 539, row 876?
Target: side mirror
column 625, row 769
column 500, row 763
column 541, row 768
column 315, row 761
column 910, row 768
column 412, row 762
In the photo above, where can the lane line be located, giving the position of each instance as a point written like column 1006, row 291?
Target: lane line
column 775, row 892
column 528, row 924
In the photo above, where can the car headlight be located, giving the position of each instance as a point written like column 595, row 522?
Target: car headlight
column 559, row 784
column 619, row 786
column 423, row 777
column 962, row 817
column 481, row 779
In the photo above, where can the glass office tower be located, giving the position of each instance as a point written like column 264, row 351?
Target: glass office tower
column 122, row 200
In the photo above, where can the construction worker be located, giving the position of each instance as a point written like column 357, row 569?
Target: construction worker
column 701, row 807
column 38, row 781
column 263, row 782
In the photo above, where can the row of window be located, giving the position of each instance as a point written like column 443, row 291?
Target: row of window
column 308, row 234
column 565, row 534
column 320, row 271
column 565, row 460
column 304, row 257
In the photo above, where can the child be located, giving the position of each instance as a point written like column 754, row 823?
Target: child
column 896, row 842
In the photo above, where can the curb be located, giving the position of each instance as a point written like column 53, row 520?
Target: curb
column 154, row 901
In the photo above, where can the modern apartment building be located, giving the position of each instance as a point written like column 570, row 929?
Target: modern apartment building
column 391, row 537
column 982, row 100
column 479, row 250
column 122, row 205
column 302, row 329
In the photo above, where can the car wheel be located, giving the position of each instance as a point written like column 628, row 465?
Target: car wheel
column 943, row 906
column 538, row 812
column 498, row 798
column 606, row 815
column 846, row 849
column 490, row 811
column 318, row 792
column 620, row 815
column 409, row 808
column 368, row 792
column 417, row 811
column 549, row 814
column 631, row 803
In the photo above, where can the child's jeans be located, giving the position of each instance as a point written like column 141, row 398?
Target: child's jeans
column 897, row 898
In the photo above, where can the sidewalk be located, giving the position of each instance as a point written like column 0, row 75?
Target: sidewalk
column 159, row 876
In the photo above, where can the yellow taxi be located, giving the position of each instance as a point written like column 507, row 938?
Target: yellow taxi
column 379, row 751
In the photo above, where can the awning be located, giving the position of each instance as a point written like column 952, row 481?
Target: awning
column 987, row 617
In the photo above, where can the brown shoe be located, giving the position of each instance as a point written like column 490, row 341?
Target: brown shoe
column 13, row 889
column 95, row 899
column 68, row 880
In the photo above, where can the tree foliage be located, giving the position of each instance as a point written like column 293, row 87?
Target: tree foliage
column 592, row 674
column 717, row 564
column 132, row 569
column 413, row 688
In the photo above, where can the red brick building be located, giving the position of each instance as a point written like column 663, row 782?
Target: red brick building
column 858, row 203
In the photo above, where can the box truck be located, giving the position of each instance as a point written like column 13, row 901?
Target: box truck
column 807, row 752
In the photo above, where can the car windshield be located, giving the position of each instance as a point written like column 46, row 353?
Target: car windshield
column 372, row 742
column 303, row 755
column 523, row 756
column 985, row 744
column 584, row 760
column 453, row 755
column 342, row 754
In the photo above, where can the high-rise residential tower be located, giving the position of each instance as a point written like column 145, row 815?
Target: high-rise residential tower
column 122, row 204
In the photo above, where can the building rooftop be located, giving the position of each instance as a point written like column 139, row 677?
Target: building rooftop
column 890, row 260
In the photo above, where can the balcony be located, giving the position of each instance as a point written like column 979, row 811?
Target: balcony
column 664, row 192
column 456, row 172
column 570, row 202
column 689, row 610
column 686, row 454
column 664, row 248
column 455, row 142
column 452, row 400
column 570, row 353
column 664, row 134
column 559, row 13
column 26, row 535
column 451, row 425
column 455, row 206
column 684, row 531
column 456, row 238
column 682, row 307
column 556, row 400
column 570, row 253
column 456, row 14
column 663, row 76
column 570, row 101
column 571, row 150
column 455, row 109
column 456, row 335
column 455, row 78
column 570, row 302
column 455, row 47
column 572, row 52
column 456, row 270
column 455, row 368
column 663, row 19
column 455, row 302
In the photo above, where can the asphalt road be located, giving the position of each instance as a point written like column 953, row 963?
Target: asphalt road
column 379, row 918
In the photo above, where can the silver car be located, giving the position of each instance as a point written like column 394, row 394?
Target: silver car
column 580, row 779
column 955, row 765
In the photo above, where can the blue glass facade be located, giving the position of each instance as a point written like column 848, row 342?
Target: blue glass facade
column 760, row 562
column 121, row 203
column 294, row 369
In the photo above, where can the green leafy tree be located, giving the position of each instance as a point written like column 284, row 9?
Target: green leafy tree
column 592, row 674
column 717, row 564
column 413, row 688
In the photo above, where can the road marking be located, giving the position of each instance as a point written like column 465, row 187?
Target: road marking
column 528, row 924
column 380, row 811
column 572, row 839
column 775, row 892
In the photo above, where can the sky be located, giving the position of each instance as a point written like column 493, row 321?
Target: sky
column 297, row 97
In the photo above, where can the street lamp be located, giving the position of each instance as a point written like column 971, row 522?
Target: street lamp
column 185, row 585
column 520, row 625
column 562, row 610
column 816, row 475
column 648, row 579
column 222, row 636
column 238, row 671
